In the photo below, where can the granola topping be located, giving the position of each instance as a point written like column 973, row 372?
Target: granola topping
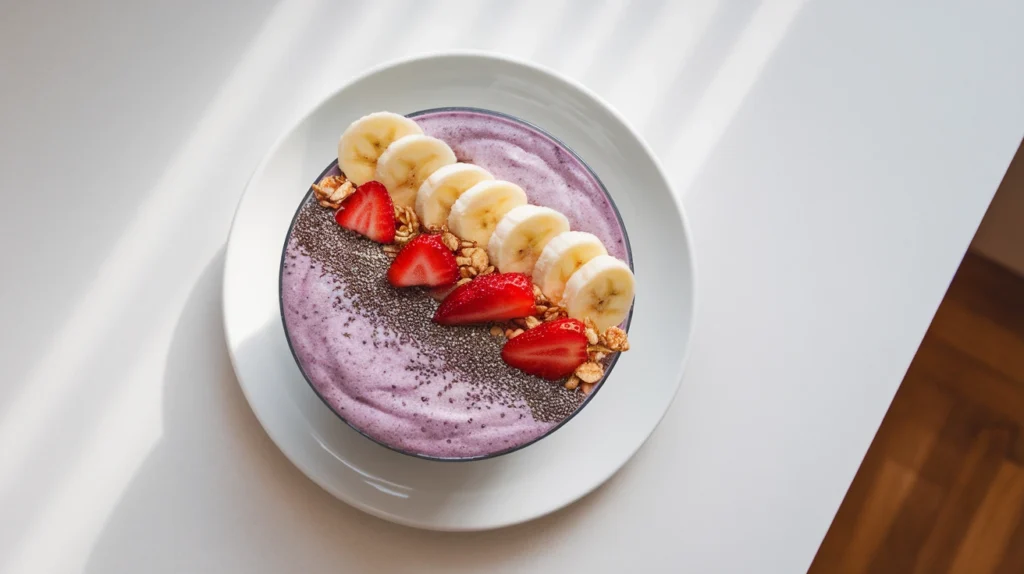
column 590, row 372
column 615, row 339
column 332, row 190
column 473, row 261
column 408, row 225
column 449, row 239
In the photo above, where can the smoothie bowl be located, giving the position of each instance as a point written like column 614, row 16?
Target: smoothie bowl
column 457, row 285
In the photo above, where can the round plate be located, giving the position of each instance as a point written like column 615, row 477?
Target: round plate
column 524, row 484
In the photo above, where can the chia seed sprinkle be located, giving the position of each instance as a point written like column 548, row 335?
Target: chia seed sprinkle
column 469, row 355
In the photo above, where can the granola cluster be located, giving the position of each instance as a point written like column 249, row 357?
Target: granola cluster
column 601, row 344
column 332, row 190
column 408, row 225
column 472, row 260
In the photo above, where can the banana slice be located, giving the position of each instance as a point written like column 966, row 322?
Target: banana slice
column 602, row 289
column 437, row 194
column 408, row 162
column 521, row 235
column 561, row 257
column 365, row 140
column 477, row 211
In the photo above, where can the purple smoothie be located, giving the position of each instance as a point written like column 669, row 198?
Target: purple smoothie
column 372, row 352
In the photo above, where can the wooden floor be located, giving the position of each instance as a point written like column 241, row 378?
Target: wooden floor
column 942, row 487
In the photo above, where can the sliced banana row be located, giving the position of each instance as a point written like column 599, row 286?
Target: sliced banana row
column 575, row 271
column 572, row 268
column 521, row 235
column 602, row 289
column 561, row 257
column 408, row 162
column 391, row 149
column 365, row 139
column 476, row 213
column 439, row 192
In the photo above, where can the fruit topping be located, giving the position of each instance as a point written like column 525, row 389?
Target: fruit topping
column 480, row 249
column 561, row 257
column 363, row 142
column 408, row 162
column 435, row 197
column 476, row 212
column 551, row 350
column 424, row 261
column 369, row 212
column 521, row 235
column 602, row 289
column 488, row 298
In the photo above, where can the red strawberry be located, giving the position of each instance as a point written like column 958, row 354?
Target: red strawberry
column 550, row 350
column 369, row 212
column 495, row 297
column 424, row 261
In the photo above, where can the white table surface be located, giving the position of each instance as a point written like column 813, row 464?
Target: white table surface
column 834, row 158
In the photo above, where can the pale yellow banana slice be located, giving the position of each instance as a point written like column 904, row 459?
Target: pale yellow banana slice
column 561, row 257
column 438, row 193
column 365, row 140
column 521, row 235
column 479, row 209
column 602, row 289
column 408, row 162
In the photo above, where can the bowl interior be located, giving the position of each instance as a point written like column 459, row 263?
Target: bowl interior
column 397, row 448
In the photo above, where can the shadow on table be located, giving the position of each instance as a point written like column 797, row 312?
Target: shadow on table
column 215, row 494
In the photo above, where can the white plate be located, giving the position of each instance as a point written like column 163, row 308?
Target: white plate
column 530, row 482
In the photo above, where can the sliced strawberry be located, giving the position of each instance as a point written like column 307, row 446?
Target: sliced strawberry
column 551, row 350
column 495, row 297
column 369, row 212
column 424, row 261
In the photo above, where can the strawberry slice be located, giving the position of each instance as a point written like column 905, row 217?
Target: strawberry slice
column 494, row 297
column 551, row 350
column 424, row 261
column 369, row 212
